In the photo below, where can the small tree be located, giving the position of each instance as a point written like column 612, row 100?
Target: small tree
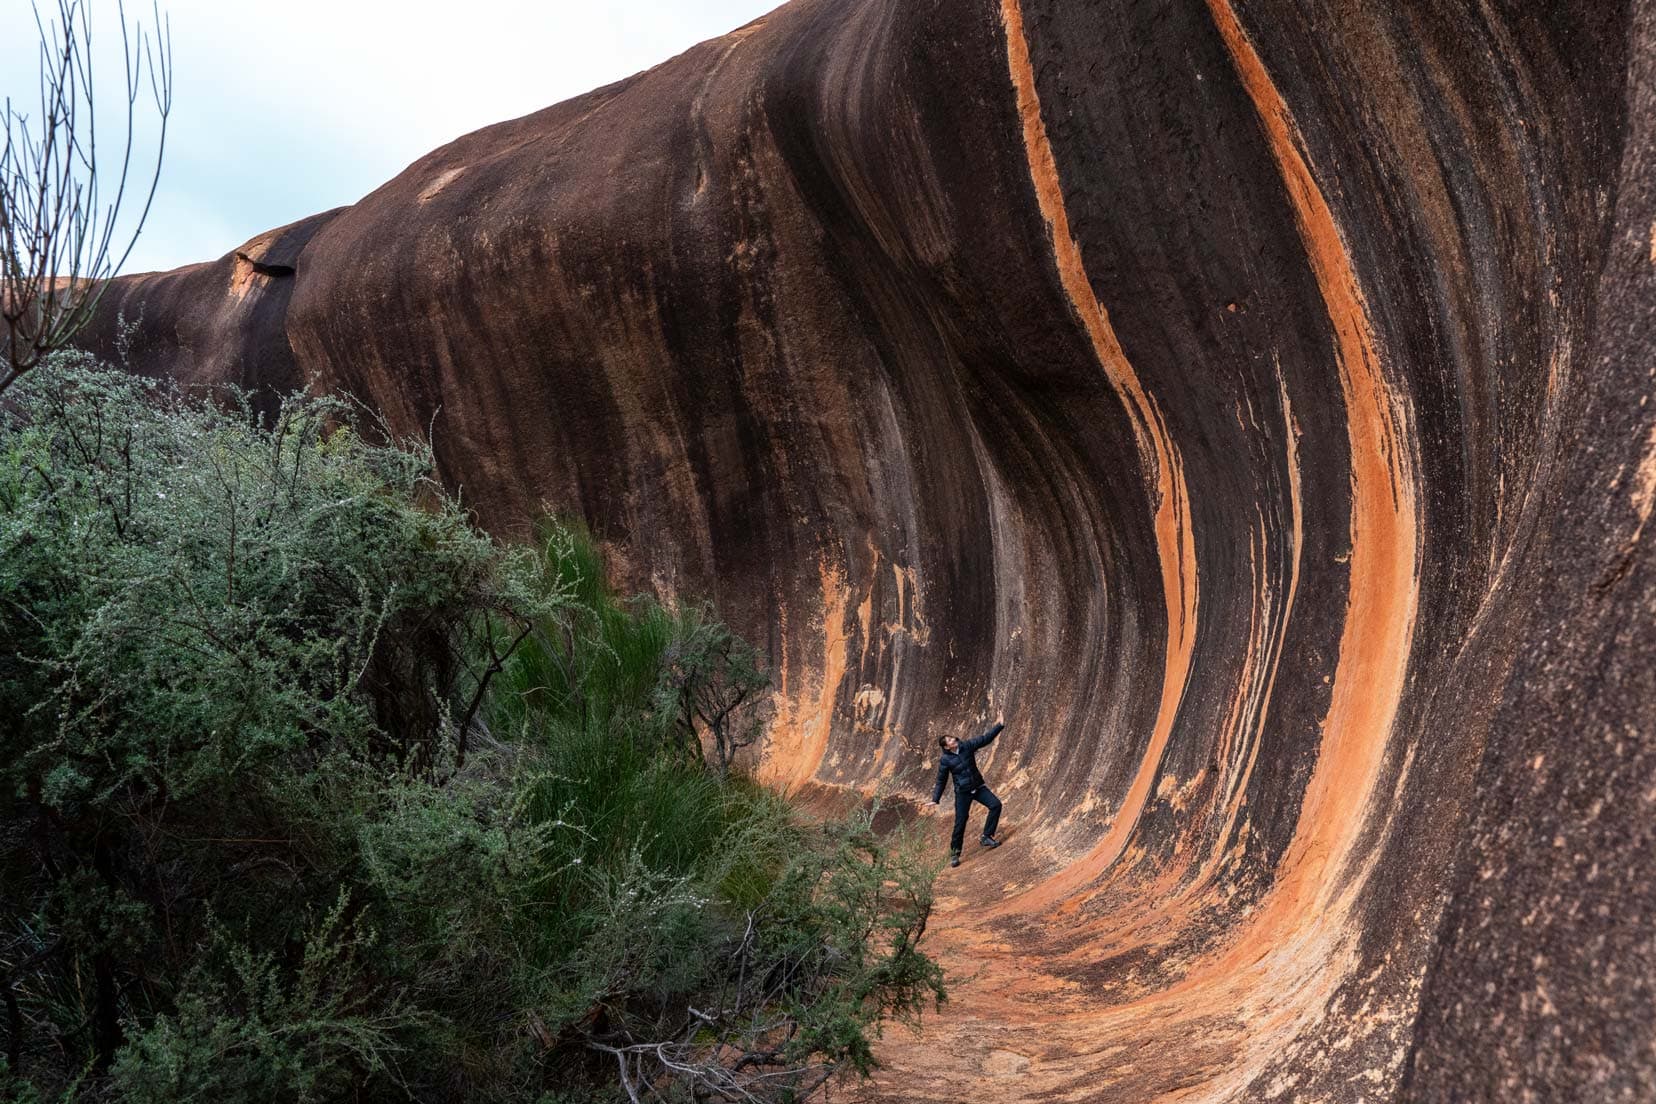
column 58, row 209
column 712, row 684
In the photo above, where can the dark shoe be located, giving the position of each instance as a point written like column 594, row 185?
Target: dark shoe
column 989, row 841
column 954, row 859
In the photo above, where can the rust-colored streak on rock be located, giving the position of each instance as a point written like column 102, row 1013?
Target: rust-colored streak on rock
column 798, row 737
column 1174, row 537
column 1373, row 663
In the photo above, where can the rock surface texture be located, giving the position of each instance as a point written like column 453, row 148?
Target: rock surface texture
column 1248, row 398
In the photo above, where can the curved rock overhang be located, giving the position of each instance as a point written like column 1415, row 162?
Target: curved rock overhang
column 1246, row 399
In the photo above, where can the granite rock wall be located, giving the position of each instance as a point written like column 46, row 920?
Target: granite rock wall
column 1246, row 399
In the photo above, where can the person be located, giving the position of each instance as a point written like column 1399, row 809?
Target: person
column 960, row 762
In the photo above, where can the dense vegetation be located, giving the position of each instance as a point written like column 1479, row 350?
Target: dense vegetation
column 310, row 791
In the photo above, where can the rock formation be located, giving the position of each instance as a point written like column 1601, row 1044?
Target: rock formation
column 1247, row 398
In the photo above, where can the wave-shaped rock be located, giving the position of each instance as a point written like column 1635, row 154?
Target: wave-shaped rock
column 1247, row 398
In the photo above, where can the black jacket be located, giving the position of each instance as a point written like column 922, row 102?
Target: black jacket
column 963, row 764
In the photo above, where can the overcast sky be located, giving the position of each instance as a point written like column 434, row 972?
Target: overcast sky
column 282, row 109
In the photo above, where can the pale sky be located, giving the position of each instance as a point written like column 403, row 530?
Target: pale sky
column 282, row 109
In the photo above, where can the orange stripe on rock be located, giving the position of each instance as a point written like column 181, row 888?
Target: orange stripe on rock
column 1383, row 590
column 798, row 737
column 1175, row 544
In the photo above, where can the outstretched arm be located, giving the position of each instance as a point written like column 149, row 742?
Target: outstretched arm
column 987, row 737
column 937, row 790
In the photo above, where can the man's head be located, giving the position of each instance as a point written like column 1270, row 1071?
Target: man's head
column 948, row 743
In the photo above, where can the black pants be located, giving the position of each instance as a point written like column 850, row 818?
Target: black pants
column 984, row 796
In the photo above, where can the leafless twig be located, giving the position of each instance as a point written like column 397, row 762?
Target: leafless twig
column 59, row 215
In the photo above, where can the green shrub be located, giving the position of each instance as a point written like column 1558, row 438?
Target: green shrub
column 707, row 939
column 232, row 649
column 308, row 789
column 244, row 1029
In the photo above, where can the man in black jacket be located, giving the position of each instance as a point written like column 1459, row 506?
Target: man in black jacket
column 960, row 762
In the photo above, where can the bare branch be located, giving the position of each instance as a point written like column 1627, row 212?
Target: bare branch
column 59, row 243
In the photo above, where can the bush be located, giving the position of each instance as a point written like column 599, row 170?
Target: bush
column 710, row 942
column 309, row 789
column 245, row 1029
